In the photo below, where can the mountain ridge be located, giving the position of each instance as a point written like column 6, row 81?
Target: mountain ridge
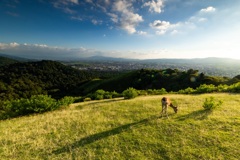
column 106, row 58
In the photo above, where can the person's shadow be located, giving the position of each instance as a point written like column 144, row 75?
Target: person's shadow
column 98, row 136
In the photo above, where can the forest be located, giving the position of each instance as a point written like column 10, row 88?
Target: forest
column 22, row 80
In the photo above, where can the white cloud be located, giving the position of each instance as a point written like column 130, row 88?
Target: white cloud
column 122, row 6
column 161, row 32
column 65, row 5
column 89, row 1
column 74, row 1
column 40, row 45
column 208, row 10
column 78, row 18
column 126, row 19
column 154, row 6
column 14, row 44
column 129, row 21
column 162, row 27
column 121, row 12
column 174, row 32
column 142, row 33
column 97, row 22
column 43, row 51
column 114, row 17
column 183, row 27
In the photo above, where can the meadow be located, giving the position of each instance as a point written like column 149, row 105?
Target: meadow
column 127, row 129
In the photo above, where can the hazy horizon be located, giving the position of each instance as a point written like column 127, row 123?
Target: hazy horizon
column 135, row 29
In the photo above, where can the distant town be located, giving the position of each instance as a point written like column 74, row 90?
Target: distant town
column 214, row 67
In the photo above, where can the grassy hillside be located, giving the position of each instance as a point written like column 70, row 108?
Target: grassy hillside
column 127, row 129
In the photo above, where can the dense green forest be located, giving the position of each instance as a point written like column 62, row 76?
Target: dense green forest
column 5, row 61
column 22, row 80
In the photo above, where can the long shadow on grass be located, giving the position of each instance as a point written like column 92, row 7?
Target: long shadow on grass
column 99, row 102
column 98, row 136
column 197, row 115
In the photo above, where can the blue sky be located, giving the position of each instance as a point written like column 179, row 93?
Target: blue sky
column 141, row 29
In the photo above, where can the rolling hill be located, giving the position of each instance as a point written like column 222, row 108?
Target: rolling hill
column 6, row 61
column 127, row 129
column 21, row 80
column 42, row 77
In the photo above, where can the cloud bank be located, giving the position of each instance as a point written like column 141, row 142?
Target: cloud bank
column 43, row 51
column 122, row 13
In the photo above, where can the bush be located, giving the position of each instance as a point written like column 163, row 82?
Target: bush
column 87, row 99
column 115, row 94
column 36, row 104
column 204, row 88
column 188, row 90
column 130, row 93
column 98, row 95
column 66, row 101
column 210, row 103
column 107, row 95
column 160, row 91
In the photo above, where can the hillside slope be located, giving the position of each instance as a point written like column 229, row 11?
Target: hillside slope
column 127, row 129
column 6, row 61
column 42, row 77
column 22, row 80
column 170, row 79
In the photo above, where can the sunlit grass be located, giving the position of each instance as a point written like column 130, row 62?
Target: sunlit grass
column 127, row 129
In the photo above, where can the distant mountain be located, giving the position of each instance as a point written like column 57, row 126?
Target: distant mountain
column 109, row 59
column 15, row 58
column 6, row 61
column 210, row 60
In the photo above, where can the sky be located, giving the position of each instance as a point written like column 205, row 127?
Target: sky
column 139, row 29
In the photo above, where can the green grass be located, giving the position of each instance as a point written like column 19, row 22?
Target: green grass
column 127, row 129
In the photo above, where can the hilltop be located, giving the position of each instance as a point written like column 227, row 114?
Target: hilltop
column 127, row 129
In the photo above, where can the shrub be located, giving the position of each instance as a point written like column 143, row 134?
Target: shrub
column 107, row 95
column 204, row 88
column 222, row 88
column 142, row 92
column 36, row 104
column 87, row 99
column 78, row 99
column 210, row 103
column 188, row 90
column 115, row 94
column 65, row 101
column 98, row 95
column 130, row 93
column 160, row 91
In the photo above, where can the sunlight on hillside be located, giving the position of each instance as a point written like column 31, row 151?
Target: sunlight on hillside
column 127, row 129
